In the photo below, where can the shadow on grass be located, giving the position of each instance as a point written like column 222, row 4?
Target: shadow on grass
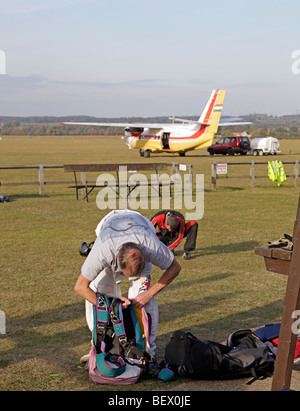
column 200, row 281
column 219, row 249
column 29, row 342
column 220, row 329
column 32, row 340
column 15, row 197
column 184, row 308
column 225, row 248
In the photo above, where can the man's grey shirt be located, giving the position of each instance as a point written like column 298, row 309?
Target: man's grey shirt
column 119, row 229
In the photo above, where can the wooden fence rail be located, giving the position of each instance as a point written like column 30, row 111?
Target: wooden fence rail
column 221, row 169
column 176, row 168
column 41, row 176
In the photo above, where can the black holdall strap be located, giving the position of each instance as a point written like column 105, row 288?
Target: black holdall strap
column 189, row 340
column 177, row 352
column 132, row 351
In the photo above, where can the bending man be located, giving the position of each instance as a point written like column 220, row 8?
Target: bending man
column 126, row 246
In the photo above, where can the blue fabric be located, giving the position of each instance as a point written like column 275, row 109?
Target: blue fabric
column 166, row 375
column 107, row 363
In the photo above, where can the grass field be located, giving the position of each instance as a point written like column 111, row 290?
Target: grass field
column 222, row 288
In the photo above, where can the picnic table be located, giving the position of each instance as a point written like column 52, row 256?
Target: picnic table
column 88, row 186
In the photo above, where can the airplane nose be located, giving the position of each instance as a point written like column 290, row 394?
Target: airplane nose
column 128, row 141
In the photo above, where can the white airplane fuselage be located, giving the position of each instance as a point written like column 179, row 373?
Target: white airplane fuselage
column 169, row 139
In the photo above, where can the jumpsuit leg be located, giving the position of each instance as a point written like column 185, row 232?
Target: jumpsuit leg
column 138, row 286
column 191, row 230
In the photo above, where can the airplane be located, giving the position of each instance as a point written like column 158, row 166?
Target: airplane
column 180, row 137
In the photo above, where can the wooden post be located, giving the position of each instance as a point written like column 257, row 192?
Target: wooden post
column 252, row 173
column 42, row 180
column 288, row 339
column 296, row 173
column 191, row 172
column 214, row 174
column 173, row 167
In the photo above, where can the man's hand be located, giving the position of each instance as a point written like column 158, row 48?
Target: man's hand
column 168, row 276
column 142, row 299
column 125, row 301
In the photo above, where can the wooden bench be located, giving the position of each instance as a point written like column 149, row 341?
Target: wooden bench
column 288, row 263
column 88, row 186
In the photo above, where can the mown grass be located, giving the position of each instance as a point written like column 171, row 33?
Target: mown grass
column 222, row 288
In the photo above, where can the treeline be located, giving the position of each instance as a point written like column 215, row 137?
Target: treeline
column 14, row 128
column 49, row 126
column 254, row 130
column 279, row 127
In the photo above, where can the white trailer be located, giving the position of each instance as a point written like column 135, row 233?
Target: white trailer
column 264, row 145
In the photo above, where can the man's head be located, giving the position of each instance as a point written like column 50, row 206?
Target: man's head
column 131, row 259
column 172, row 222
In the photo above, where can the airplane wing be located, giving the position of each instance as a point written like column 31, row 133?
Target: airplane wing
column 234, row 123
column 153, row 125
column 123, row 125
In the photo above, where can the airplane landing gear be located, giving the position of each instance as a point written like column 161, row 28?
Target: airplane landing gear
column 147, row 153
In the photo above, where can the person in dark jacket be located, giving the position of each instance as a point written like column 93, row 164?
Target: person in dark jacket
column 172, row 229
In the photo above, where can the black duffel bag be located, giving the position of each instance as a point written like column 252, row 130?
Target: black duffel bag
column 188, row 356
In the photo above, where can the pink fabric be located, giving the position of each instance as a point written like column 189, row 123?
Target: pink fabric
column 130, row 376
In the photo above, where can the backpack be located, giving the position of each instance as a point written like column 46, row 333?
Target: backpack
column 120, row 350
column 4, row 199
column 267, row 333
column 270, row 332
column 188, row 356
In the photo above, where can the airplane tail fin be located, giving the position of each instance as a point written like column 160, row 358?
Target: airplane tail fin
column 212, row 113
column 211, row 116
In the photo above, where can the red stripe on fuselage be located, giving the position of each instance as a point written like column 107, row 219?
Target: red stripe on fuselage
column 193, row 136
column 198, row 134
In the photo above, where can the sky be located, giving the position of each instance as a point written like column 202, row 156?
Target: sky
column 127, row 58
